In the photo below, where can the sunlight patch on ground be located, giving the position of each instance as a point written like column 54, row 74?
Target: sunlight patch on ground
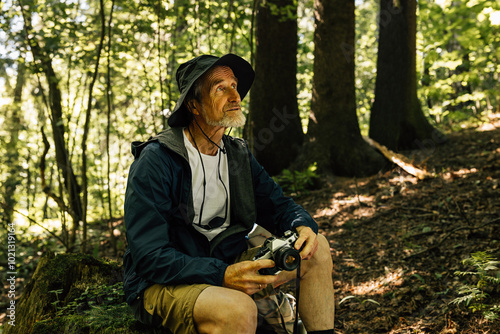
column 462, row 172
column 465, row 171
column 338, row 204
column 356, row 200
column 403, row 179
column 364, row 211
column 379, row 285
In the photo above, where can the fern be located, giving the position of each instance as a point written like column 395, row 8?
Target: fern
column 474, row 297
column 470, row 294
column 296, row 182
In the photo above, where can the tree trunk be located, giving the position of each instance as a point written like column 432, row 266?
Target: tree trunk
column 11, row 161
column 44, row 65
column 397, row 120
column 62, row 293
column 334, row 138
column 86, row 127
column 275, row 126
column 109, row 110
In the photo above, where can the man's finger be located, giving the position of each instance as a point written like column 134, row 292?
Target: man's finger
column 309, row 251
column 300, row 241
column 266, row 263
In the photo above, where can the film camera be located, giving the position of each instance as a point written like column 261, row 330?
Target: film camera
column 281, row 251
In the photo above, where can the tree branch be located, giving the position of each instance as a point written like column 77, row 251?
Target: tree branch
column 399, row 160
column 5, row 206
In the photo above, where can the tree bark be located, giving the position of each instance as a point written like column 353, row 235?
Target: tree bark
column 12, row 157
column 88, row 116
column 275, row 126
column 397, row 120
column 334, row 138
column 109, row 89
column 44, row 65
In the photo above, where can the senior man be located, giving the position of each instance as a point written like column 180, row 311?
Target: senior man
column 193, row 196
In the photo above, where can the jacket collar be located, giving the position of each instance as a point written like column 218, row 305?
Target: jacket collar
column 170, row 138
column 173, row 139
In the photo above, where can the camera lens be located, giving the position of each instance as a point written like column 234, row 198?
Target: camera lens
column 287, row 258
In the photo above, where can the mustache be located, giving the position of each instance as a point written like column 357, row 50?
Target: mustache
column 233, row 106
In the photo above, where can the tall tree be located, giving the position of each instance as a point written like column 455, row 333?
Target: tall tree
column 44, row 63
column 88, row 116
column 334, row 138
column 397, row 120
column 276, row 131
column 12, row 156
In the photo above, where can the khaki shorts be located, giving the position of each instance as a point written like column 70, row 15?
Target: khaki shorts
column 173, row 305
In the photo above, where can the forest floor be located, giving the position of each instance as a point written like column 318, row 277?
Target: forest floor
column 397, row 241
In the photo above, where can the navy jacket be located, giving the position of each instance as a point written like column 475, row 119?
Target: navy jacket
column 163, row 247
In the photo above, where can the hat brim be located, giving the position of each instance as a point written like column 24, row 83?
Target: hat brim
column 242, row 70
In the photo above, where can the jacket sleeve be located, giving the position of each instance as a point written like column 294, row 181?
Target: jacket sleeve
column 276, row 212
column 149, row 211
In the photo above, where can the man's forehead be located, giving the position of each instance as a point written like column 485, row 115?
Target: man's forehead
column 219, row 73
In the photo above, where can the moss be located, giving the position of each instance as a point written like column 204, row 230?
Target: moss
column 116, row 320
column 70, row 282
column 76, row 294
column 62, row 325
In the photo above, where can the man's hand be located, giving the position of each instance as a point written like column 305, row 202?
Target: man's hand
column 307, row 237
column 244, row 276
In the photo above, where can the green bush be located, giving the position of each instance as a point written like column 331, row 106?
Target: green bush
column 295, row 182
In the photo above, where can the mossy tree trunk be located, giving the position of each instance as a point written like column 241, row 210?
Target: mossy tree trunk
column 74, row 293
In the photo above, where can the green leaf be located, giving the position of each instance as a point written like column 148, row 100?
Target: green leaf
column 348, row 298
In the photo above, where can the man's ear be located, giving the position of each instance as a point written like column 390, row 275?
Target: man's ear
column 191, row 105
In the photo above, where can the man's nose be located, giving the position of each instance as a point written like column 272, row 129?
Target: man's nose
column 234, row 96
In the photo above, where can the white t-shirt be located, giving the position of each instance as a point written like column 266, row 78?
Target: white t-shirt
column 215, row 194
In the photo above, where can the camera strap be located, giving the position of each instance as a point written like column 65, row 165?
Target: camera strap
column 297, row 295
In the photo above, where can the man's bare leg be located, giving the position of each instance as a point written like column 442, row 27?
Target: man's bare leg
column 316, row 302
column 223, row 310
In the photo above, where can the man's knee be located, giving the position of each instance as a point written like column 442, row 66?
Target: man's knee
column 225, row 310
column 243, row 311
column 322, row 258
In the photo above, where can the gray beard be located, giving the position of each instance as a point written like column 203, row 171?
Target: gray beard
column 235, row 121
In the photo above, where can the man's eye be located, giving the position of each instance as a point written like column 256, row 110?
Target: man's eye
column 219, row 89
column 234, row 86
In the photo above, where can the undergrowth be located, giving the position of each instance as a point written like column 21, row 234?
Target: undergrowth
column 487, row 276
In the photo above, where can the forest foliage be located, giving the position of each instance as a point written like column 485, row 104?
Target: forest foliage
column 114, row 65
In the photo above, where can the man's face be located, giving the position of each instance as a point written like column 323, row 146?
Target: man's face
column 220, row 100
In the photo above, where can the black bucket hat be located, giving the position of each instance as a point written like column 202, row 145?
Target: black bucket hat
column 190, row 71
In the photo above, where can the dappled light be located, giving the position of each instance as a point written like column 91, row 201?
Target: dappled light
column 490, row 126
column 36, row 230
column 341, row 202
column 380, row 118
column 380, row 285
column 397, row 240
